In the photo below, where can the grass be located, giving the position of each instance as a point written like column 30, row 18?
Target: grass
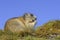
column 11, row 36
column 52, row 27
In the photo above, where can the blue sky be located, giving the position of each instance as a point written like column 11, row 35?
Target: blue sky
column 45, row 10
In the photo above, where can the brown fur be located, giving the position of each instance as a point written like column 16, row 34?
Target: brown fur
column 19, row 25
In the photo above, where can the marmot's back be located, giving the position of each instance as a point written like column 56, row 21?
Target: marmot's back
column 21, row 24
column 15, row 25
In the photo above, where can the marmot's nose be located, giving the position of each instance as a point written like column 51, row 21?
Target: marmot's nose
column 35, row 18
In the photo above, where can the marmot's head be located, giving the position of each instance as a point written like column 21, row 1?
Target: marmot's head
column 30, row 21
column 30, row 17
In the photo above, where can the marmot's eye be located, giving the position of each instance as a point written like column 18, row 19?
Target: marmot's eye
column 35, row 18
column 31, row 14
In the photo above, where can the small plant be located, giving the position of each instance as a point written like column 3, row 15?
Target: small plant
column 48, row 31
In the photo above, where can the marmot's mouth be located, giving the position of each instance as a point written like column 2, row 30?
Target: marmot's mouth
column 31, row 21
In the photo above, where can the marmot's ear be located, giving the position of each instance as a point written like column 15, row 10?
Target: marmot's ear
column 24, row 16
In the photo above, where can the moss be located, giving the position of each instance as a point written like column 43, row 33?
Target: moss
column 51, row 27
column 48, row 31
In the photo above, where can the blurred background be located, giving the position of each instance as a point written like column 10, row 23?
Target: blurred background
column 45, row 10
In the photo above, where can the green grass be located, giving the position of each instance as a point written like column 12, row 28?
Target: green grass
column 11, row 36
column 44, row 30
